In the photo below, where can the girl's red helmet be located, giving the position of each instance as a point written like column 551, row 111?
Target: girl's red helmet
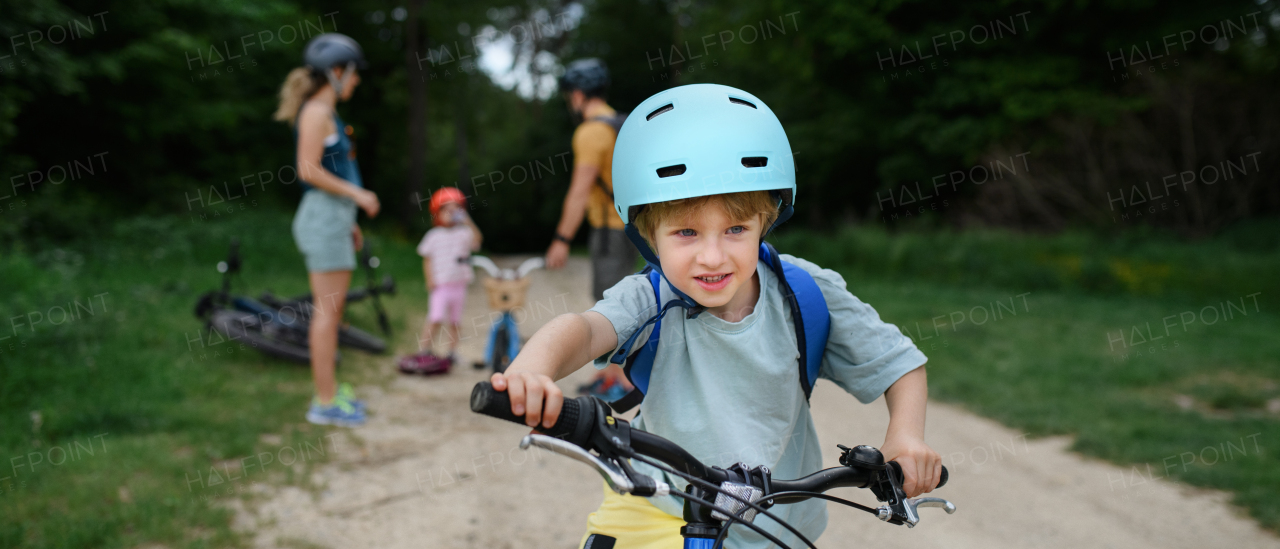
column 444, row 196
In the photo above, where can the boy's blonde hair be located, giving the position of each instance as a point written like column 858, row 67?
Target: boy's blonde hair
column 736, row 206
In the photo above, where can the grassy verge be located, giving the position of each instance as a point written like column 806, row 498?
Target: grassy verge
column 1140, row 264
column 1181, row 375
column 120, row 424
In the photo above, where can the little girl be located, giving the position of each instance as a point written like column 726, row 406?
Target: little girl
column 446, row 253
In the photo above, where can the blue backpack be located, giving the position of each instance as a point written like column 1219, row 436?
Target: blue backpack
column 808, row 312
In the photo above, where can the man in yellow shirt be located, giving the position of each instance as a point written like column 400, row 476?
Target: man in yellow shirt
column 613, row 257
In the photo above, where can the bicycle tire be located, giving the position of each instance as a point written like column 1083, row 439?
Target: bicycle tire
column 245, row 328
column 351, row 336
column 497, row 363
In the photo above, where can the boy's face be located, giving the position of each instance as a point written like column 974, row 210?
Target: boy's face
column 709, row 256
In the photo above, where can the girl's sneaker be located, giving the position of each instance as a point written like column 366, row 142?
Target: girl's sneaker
column 411, row 364
column 425, row 363
column 340, row 413
column 440, row 365
column 345, row 392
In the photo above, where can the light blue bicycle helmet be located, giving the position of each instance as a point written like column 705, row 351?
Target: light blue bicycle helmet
column 699, row 140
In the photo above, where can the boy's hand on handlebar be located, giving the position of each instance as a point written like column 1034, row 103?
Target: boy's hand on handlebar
column 534, row 396
column 921, row 465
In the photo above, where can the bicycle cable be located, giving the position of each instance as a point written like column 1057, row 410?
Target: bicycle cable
column 716, row 489
column 757, row 528
column 724, row 533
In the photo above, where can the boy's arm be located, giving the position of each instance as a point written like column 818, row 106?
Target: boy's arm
column 904, row 440
column 560, row 348
column 426, row 271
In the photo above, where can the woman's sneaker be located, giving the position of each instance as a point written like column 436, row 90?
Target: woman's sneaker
column 340, row 413
column 348, row 394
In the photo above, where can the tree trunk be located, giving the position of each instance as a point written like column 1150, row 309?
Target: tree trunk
column 415, row 203
column 460, row 135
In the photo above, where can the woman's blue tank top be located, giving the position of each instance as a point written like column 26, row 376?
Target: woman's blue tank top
column 339, row 158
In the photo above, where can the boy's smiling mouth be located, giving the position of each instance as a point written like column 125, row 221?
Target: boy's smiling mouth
column 713, row 282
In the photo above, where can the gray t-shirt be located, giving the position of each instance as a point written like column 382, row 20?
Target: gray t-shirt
column 730, row 392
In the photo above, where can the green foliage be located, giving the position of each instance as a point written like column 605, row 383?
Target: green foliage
column 178, row 97
column 870, row 100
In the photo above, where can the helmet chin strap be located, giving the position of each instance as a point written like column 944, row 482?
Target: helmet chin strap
column 338, row 84
column 783, row 215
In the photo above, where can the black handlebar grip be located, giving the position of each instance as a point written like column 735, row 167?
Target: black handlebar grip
column 493, row 403
column 896, row 471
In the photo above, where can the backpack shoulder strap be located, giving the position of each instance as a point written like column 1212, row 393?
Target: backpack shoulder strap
column 640, row 364
column 809, row 313
column 614, row 122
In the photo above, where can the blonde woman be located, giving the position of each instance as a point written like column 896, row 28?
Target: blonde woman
column 325, row 225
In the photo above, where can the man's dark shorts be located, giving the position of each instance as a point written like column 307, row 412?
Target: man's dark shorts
column 613, row 257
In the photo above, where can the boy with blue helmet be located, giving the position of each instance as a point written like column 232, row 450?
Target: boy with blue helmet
column 701, row 174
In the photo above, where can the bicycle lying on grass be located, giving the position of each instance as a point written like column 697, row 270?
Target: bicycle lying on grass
column 278, row 327
column 348, row 335
column 716, row 498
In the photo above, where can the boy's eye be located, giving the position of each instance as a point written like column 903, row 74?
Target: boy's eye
column 687, row 232
column 738, row 229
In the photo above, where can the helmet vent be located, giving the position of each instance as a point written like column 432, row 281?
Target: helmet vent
column 755, row 161
column 658, row 111
column 741, row 102
column 671, row 171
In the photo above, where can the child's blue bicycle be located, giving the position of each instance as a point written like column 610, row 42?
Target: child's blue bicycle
column 716, row 498
column 507, row 289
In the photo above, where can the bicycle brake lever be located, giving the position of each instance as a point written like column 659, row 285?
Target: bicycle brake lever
column 933, row 502
column 613, row 474
column 908, row 515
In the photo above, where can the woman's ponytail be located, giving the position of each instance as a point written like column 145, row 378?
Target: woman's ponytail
column 298, row 86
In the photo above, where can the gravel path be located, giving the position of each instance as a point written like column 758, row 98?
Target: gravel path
column 426, row 472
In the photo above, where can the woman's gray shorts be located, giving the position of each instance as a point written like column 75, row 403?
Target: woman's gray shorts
column 322, row 230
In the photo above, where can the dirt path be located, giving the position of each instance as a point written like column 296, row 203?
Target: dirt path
column 428, row 473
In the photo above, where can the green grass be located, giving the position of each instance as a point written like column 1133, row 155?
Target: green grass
column 1057, row 364
column 1242, row 261
column 132, row 380
column 161, row 411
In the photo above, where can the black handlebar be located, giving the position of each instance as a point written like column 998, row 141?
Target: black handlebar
column 577, row 421
column 493, row 403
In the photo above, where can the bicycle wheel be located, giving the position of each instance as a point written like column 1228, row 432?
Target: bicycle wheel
column 499, row 361
column 246, row 328
column 351, row 336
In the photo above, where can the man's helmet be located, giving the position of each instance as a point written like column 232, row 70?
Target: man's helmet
column 588, row 75
column 330, row 50
column 699, row 140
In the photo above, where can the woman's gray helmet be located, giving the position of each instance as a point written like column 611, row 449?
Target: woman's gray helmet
column 330, row 50
column 588, row 75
